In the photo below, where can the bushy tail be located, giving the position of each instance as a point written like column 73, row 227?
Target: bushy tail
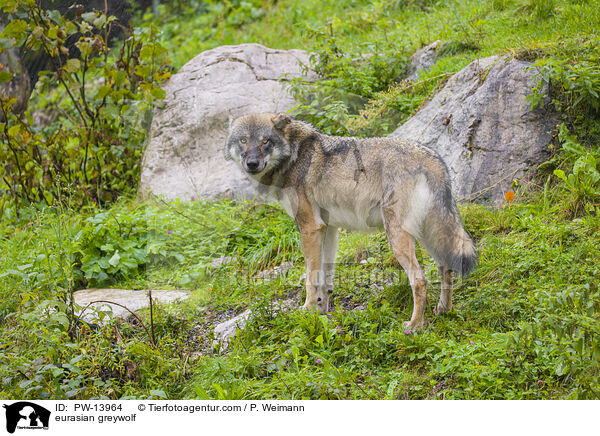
column 461, row 257
column 445, row 238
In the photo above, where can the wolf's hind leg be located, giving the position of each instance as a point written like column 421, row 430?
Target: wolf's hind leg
column 403, row 246
column 328, row 252
column 445, row 303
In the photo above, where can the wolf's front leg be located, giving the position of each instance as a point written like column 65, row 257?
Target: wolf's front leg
column 328, row 252
column 311, row 242
column 312, row 232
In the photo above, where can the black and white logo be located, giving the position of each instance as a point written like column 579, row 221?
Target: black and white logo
column 26, row 415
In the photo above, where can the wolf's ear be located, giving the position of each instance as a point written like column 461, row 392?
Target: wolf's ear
column 281, row 120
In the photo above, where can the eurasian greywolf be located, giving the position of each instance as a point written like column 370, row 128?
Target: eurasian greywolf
column 325, row 182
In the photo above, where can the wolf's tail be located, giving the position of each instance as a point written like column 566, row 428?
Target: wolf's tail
column 461, row 257
column 445, row 238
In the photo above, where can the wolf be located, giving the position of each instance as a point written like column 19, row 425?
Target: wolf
column 329, row 182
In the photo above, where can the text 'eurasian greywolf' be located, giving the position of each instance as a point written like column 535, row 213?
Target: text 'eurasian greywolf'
column 325, row 182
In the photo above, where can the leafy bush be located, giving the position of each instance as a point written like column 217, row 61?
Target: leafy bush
column 119, row 246
column 135, row 242
column 391, row 108
column 575, row 93
column 575, row 88
column 346, row 79
column 584, row 182
column 94, row 149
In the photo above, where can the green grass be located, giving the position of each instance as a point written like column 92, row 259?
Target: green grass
column 560, row 28
column 525, row 323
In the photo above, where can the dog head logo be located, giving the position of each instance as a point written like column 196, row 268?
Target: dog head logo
column 24, row 414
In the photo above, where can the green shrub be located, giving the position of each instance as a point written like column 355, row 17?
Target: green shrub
column 574, row 87
column 346, row 79
column 583, row 183
column 118, row 246
column 574, row 90
column 94, row 148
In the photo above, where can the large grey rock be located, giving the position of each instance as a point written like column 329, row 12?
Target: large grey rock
column 133, row 300
column 184, row 157
column 483, row 128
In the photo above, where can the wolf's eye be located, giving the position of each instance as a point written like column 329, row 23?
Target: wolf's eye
column 243, row 140
column 265, row 141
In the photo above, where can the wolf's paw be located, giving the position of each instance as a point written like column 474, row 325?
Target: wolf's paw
column 413, row 325
column 322, row 309
column 321, row 304
column 441, row 309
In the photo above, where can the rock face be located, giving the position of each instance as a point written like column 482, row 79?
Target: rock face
column 133, row 300
column 483, row 128
column 184, row 156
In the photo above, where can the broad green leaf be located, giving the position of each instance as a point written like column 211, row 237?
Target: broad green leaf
column 102, row 92
column 143, row 70
column 14, row 29
column 114, row 260
column 560, row 174
column 159, row 393
column 73, row 65
column 319, row 340
column 5, row 76
column 158, row 93
column 89, row 16
column 61, row 318
column 102, row 276
column 107, row 247
column 14, row 130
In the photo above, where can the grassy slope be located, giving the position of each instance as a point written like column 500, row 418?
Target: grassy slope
column 494, row 26
column 525, row 324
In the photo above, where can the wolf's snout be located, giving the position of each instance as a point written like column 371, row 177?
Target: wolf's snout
column 254, row 165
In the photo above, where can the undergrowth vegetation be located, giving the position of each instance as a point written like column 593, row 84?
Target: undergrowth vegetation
column 525, row 324
column 98, row 103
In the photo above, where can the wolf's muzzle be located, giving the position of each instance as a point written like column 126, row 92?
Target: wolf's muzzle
column 254, row 166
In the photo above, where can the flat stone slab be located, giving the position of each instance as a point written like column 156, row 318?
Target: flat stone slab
column 133, row 300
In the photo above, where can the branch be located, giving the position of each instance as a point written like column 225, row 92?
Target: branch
column 124, row 307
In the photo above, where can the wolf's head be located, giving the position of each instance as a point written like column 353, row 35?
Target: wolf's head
column 258, row 143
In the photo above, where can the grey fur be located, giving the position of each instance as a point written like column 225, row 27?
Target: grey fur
column 326, row 182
